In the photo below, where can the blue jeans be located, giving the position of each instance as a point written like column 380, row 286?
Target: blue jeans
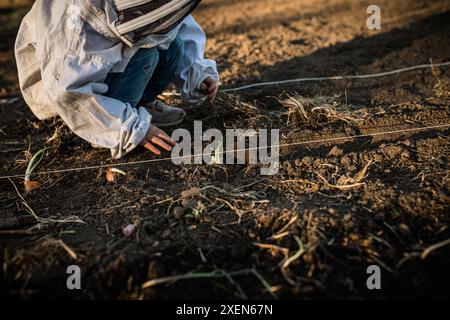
column 146, row 76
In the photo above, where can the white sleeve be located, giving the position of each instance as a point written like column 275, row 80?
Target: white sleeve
column 76, row 88
column 193, row 68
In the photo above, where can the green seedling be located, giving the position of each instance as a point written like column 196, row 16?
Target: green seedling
column 113, row 173
column 32, row 165
column 217, row 153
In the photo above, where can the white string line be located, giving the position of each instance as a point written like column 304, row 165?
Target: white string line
column 237, row 150
column 362, row 76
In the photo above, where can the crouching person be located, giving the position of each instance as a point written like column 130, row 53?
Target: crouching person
column 100, row 65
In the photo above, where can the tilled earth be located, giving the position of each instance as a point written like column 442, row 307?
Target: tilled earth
column 225, row 231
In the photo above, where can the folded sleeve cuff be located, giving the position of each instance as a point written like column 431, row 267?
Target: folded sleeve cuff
column 132, row 132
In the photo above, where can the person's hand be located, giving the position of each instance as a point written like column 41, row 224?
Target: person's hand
column 154, row 138
column 209, row 87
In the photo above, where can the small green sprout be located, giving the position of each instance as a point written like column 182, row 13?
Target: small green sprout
column 217, row 153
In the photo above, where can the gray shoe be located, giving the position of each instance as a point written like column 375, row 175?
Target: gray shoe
column 165, row 116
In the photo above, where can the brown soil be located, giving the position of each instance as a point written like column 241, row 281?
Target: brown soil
column 206, row 218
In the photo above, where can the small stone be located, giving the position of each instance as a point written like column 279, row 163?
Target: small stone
column 347, row 217
column 408, row 143
column 346, row 161
column 353, row 237
column 336, row 152
column 308, row 258
column 129, row 229
column 405, row 154
column 178, row 212
column 342, row 180
column 392, row 151
column 307, row 160
column 298, row 162
column 190, row 193
column 404, row 229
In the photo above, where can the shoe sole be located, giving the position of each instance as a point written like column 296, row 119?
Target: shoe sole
column 170, row 124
